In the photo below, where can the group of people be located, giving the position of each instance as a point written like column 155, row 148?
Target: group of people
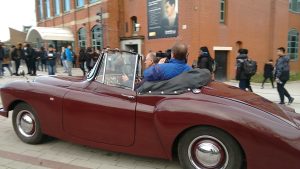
column 35, row 59
column 281, row 73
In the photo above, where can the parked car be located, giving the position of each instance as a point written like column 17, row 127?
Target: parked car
column 216, row 126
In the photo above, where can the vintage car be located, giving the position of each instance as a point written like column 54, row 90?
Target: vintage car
column 215, row 126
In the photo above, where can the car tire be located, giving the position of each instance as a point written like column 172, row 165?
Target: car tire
column 26, row 124
column 209, row 148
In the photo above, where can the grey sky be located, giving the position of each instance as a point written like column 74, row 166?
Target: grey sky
column 15, row 14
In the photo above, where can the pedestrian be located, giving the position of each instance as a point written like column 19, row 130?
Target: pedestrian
column 82, row 59
column 38, row 59
column 282, row 75
column 89, row 56
column 51, row 60
column 2, row 53
column 69, row 59
column 268, row 73
column 17, row 55
column 241, row 75
column 63, row 58
column 205, row 61
column 12, row 62
column 43, row 55
column 6, row 60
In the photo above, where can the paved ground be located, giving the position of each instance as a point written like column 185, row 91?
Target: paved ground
column 60, row 154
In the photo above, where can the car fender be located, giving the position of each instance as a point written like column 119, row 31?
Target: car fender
column 246, row 124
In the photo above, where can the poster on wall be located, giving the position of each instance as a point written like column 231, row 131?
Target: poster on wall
column 162, row 18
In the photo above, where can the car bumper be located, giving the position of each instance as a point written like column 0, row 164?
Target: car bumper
column 3, row 112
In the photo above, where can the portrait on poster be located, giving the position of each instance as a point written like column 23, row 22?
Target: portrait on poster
column 162, row 18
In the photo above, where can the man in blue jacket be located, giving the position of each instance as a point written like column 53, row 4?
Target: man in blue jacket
column 69, row 59
column 169, row 70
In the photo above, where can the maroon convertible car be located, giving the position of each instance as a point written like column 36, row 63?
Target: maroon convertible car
column 216, row 126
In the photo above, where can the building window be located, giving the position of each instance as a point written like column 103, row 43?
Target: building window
column 222, row 11
column 79, row 3
column 133, row 23
column 48, row 12
column 41, row 11
column 294, row 5
column 67, row 5
column 57, row 7
column 93, row 1
column 97, row 37
column 82, row 38
column 293, row 44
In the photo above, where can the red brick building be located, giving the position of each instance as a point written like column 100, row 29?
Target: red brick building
column 223, row 26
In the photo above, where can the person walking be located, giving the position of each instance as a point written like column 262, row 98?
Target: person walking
column 6, row 60
column 43, row 55
column 82, row 59
column 12, row 62
column 17, row 55
column 268, row 73
column 241, row 75
column 51, row 60
column 2, row 53
column 69, row 59
column 282, row 75
column 205, row 61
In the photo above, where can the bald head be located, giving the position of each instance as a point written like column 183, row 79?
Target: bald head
column 180, row 51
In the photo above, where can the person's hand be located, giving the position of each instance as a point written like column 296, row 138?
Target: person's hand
column 278, row 80
column 162, row 60
column 125, row 78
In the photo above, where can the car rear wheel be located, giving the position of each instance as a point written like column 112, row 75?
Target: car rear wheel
column 209, row 148
column 26, row 124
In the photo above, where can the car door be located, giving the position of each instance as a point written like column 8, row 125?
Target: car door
column 104, row 111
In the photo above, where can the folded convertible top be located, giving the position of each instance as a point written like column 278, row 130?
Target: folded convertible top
column 185, row 82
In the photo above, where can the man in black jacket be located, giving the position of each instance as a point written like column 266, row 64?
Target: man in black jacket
column 16, row 55
column 240, row 72
column 282, row 74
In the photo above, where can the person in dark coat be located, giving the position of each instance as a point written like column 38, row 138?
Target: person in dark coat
column 2, row 53
column 82, row 59
column 16, row 56
column 244, row 79
column 268, row 73
column 30, row 58
column 51, row 60
column 282, row 75
column 205, row 60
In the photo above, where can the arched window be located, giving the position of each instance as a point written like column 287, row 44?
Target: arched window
column 97, row 37
column 293, row 44
column 82, row 38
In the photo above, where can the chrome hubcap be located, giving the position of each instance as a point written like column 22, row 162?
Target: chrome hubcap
column 206, row 152
column 26, row 123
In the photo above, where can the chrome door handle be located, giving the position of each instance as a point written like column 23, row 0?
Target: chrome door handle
column 128, row 96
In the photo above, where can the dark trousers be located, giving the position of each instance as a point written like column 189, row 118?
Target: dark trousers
column 18, row 62
column 32, row 67
column 82, row 68
column 282, row 91
column 245, row 84
column 266, row 78
column 28, row 66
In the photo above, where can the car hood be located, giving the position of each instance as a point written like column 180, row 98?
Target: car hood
column 219, row 89
column 61, row 81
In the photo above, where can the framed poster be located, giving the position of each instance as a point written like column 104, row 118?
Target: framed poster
column 162, row 18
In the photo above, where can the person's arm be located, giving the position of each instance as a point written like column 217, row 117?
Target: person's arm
column 152, row 73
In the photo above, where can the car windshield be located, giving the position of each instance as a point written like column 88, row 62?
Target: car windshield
column 118, row 69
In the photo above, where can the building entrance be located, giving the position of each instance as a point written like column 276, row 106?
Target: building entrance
column 221, row 65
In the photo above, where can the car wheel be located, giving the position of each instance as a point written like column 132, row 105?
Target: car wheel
column 26, row 124
column 209, row 148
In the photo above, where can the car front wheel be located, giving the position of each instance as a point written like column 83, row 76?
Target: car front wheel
column 209, row 148
column 26, row 124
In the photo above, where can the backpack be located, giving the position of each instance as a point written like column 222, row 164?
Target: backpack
column 250, row 67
